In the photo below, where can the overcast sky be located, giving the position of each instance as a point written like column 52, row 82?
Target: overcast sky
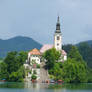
column 37, row 19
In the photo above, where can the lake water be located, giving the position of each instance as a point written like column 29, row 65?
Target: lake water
column 28, row 87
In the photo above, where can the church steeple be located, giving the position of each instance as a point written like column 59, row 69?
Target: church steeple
column 58, row 26
column 58, row 36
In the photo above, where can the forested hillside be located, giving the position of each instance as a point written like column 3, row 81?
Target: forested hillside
column 18, row 43
column 85, row 49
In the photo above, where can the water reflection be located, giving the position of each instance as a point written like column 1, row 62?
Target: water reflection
column 29, row 85
column 36, row 85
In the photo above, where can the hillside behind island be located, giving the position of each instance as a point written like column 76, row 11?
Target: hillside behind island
column 85, row 49
column 18, row 43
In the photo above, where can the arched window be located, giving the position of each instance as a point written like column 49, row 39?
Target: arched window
column 57, row 44
column 58, row 37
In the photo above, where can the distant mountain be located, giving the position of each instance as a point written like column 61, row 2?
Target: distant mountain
column 89, row 42
column 18, row 43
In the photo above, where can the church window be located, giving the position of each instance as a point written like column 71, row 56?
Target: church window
column 58, row 37
column 57, row 44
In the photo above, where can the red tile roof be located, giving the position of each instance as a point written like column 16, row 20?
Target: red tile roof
column 35, row 52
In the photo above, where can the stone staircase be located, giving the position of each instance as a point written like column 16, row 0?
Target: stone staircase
column 43, row 73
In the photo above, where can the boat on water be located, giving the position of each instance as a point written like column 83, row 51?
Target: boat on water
column 3, row 80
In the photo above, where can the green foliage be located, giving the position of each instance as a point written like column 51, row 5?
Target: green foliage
column 34, row 77
column 1, row 60
column 51, row 57
column 22, row 57
column 11, row 62
column 86, row 51
column 71, row 71
column 74, row 54
column 89, row 75
column 34, row 72
column 74, row 71
column 12, row 68
column 38, row 65
column 17, row 76
column 67, row 48
column 51, row 76
column 56, row 71
column 3, row 71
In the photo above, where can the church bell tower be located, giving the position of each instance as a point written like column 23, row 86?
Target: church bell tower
column 58, row 36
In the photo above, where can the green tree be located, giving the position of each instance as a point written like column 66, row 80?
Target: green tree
column 56, row 71
column 22, row 57
column 86, row 52
column 12, row 68
column 11, row 62
column 74, row 54
column 67, row 48
column 3, row 71
column 51, row 56
column 17, row 76
column 74, row 71
column 34, row 77
column 89, row 75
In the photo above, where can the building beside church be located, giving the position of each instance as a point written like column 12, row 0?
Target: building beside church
column 35, row 54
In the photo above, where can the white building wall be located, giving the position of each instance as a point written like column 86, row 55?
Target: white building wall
column 65, row 58
column 58, row 43
column 35, row 58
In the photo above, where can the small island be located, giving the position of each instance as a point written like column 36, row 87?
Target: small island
column 52, row 63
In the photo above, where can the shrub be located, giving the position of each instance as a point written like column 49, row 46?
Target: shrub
column 34, row 72
column 34, row 77
column 38, row 66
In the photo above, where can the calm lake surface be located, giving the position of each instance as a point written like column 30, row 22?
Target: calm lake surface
column 28, row 87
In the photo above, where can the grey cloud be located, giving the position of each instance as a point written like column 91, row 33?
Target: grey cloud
column 37, row 19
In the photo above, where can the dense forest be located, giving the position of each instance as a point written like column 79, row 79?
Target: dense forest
column 74, row 70
column 85, row 49
column 12, row 69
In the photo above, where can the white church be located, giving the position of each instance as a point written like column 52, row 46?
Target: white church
column 35, row 54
